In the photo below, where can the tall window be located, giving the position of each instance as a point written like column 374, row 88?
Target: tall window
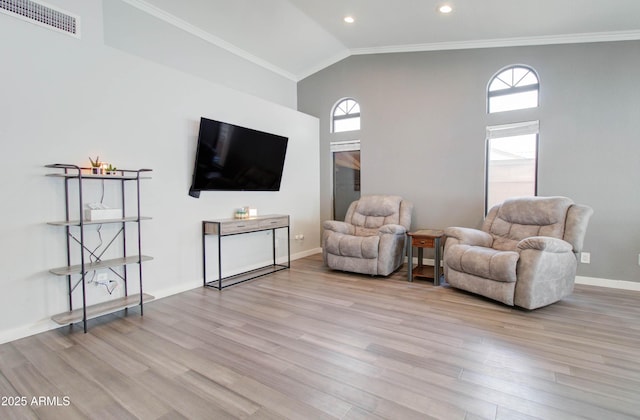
column 346, row 176
column 512, row 149
column 512, row 155
column 345, row 116
column 513, row 88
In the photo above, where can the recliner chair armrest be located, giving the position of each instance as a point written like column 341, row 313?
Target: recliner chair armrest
column 469, row 236
column 338, row 226
column 545, row 243
column 393, row 229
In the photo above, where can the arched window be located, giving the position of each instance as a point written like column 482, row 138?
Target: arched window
column 345, row 116
column 515, row 87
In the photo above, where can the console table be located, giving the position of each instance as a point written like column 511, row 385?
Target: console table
column 227, row 227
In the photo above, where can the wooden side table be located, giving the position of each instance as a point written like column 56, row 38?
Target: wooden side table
column 425, row 238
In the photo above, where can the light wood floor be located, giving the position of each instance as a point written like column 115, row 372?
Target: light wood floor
column 309, row 343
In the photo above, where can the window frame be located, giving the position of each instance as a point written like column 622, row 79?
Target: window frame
column 510, row 130
column 346, row 116
column 512, row 90
column 337, row 147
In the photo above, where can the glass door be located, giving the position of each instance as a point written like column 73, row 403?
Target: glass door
column 346, row 176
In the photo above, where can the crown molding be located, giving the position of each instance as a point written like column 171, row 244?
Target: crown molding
column 437, row 46
column 208, row 37
column 506, row 42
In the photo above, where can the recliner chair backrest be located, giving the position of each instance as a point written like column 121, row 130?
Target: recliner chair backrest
column 374, row 211
column 522, row 217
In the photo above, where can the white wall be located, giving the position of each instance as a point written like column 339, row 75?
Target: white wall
column 64, row 99
column 130, row 29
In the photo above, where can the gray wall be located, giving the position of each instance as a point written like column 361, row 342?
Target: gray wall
column 423, row 134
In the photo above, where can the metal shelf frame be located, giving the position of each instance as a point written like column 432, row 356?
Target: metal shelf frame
column 74, row 173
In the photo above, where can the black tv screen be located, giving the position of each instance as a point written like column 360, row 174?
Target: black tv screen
column 234, row 158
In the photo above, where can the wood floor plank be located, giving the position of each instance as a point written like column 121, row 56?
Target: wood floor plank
column 120, row 386
column 113, row 356
column 231, row 402
column 183, row 400
column 312, row 343
column 70, row 382
column 9, row 409
column 144, row 352
column 29, row 383
column 573, row 400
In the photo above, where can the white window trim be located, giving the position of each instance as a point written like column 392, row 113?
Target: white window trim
column 344, row 146
column 513, row 129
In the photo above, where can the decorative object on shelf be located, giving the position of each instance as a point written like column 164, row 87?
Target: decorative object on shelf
column 242, row 213
column 79, row 274
column 96, row 165
column 253, row 212
column 111, row 170
column 99, row 211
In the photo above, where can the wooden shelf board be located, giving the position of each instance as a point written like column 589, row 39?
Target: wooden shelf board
column 77, row 269
column 425, row 271
column 97, row 222
column 102, row 308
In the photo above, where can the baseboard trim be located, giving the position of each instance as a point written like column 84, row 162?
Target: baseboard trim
column 27, row 330
column 306, row 253
column 612, row 284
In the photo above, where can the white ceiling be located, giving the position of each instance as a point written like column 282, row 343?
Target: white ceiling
column 296, row 38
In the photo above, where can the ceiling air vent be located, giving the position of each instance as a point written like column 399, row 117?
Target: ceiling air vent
column 42, row 15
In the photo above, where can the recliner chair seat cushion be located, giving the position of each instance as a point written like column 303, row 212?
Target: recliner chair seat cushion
column 353, row 246
column 483, row 262
column 360, row 231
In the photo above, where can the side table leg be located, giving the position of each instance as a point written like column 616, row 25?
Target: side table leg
column 410, row 260
column 436, row 263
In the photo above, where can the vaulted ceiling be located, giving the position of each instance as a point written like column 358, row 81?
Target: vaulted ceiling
column 296, row 38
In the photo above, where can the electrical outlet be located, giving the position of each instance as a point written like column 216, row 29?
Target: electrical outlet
column 101, row 279
column 638, row 259
column 585, row 257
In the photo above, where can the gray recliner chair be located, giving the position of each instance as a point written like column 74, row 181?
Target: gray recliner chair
column 372, row 238
column 525, row 255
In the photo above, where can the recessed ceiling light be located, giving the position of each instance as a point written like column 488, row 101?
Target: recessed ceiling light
column 349, row 19
column 445, row 9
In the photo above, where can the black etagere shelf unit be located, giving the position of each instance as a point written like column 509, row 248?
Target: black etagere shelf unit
column 77, row 249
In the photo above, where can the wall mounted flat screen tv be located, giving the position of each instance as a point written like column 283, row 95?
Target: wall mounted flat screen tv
column 234, row 158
